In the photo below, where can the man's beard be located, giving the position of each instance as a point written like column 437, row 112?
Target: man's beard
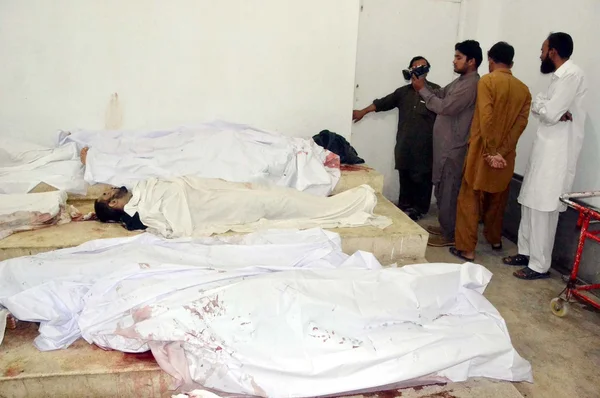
column 460, row 71
column 547, row 66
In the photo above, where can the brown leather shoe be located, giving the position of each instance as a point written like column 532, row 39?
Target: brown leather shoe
column 439, row 241
column 434, row 230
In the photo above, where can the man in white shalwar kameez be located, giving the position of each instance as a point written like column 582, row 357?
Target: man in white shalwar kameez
column 553, row 159
column 193, row 206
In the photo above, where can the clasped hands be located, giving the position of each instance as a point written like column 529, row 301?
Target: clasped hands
column 496, row 161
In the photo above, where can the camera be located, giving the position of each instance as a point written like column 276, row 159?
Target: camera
column 417, row 71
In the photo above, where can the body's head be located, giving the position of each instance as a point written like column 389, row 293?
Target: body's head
column 556, row 50
column 500, row 56
column 467, row 57
column 109, row 207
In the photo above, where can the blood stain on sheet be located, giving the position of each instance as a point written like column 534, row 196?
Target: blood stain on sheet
column 141, row 314
column 14, row 370
column 353, row 167
column 193, row 311
column 332, row 161
column 143, row 357
column 384, row 394
column 213, row 306
column 419, row 388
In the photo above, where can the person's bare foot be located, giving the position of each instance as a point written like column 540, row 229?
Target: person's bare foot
column 83, row 154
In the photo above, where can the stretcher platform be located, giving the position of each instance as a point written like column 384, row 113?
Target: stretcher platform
column 404, row 241
column 84, row 370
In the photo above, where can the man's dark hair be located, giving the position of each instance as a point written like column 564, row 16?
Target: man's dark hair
column 502, row 53
column 471, row 49
column 562, row 43
column 418, row 58
column 105, row 213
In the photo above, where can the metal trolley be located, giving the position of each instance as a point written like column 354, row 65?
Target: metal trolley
column 587, row 215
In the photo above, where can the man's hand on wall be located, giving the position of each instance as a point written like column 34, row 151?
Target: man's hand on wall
column 358, row 115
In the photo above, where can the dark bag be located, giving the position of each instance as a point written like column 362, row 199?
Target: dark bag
column 338, row 145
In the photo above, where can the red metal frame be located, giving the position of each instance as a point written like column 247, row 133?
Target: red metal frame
column 586, row 214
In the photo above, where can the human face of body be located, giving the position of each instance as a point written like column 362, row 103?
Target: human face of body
column 116, row 197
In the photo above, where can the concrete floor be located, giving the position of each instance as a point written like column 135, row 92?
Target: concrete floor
column 564, row 352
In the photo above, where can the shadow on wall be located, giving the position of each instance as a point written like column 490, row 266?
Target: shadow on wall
column 374, row 138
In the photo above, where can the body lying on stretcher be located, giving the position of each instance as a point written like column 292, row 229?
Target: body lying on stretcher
column 217, row 150
column 227, row 151
column 192, row 206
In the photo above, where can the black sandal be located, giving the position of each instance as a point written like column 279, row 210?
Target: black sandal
column 497, row 247
column 458, row 253
column 518, row 260
column 529, row 275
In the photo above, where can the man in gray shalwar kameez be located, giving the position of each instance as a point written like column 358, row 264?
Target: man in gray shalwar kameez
column 454, row 106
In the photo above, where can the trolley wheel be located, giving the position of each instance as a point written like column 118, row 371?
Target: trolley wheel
column 559, row 307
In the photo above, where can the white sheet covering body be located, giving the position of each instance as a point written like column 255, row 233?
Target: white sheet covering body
column 223, row 150
column 23, row 212
column 192, row 206
column 281, row 314
column 24, row 165
column 50, row 287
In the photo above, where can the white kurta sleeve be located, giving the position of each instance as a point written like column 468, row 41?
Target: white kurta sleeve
column 549, row 111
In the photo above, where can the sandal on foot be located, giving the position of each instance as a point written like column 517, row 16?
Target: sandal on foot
column 458, row 253
column 434, row 230
column 529, row 275
column 439, row 241
column 518, row 260
column 497, row 247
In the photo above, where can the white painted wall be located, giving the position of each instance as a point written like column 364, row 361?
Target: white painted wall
column 277, row 64
column 525, row 24
column 391, row 32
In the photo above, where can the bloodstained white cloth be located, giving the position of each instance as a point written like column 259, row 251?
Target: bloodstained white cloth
column 283, row 314
column 232, row 152
column 191, row 206
column 24, row 212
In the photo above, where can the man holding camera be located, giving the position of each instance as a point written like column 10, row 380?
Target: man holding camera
column 454, row 106
column 414, row 148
